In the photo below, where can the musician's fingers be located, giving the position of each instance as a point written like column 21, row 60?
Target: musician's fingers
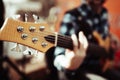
column 75, row 41
column 83, row 40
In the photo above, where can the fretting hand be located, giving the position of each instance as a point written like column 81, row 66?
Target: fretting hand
column 75, row 58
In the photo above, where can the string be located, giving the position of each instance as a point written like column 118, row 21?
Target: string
column 46, row 33
column 61, row 43
column 62, row 38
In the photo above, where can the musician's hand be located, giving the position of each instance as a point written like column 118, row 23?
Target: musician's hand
column 76, row 57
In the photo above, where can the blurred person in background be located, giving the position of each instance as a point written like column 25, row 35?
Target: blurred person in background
column 92, row 18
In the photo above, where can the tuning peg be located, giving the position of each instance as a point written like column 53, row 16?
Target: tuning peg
column 26, row 17
column 36, row 57
column 36, row 18
column 28, row 51
column 36, row 53
column 17, row 16
column 16, row 48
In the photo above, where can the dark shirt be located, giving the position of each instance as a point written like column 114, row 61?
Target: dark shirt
column 83, row 19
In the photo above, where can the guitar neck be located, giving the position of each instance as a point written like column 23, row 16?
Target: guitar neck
column 60, row 40
column 35, row 35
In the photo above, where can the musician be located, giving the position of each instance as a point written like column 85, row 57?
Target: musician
column 88, row 17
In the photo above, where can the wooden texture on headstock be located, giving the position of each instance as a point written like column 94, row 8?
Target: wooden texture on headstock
column 10, row 33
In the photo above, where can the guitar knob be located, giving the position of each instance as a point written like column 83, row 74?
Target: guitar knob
column 24, row 36
column 44, row 44
column 20, row 29
column 32, row 28
column 34, row 40
column 42, row 28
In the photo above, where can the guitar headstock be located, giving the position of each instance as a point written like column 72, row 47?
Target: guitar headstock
column 26, row 33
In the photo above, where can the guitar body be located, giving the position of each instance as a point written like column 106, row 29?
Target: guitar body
column 105, row 44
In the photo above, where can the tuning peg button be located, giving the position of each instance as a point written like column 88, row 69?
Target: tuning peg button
column 44, row 44
column 32, row 28
column 34, row 40
column 20, row 29
column 42, row 28
column 24, row 36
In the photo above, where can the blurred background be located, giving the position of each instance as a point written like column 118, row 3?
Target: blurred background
column 16, row 65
